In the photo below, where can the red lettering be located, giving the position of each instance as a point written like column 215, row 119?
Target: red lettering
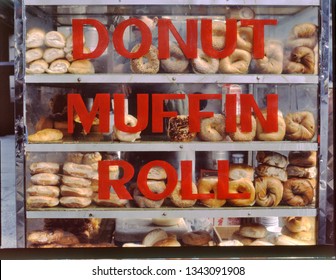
column 118, row 185
column 77, row 31
column 230, row 113
column 101, row 105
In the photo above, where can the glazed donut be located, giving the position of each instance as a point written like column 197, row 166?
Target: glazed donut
column 271, row 171
column 299, row 192
column 41, row 237
column 269, row 191
column 45, row 179
column 44, row 167
column 253, row 231
column 41, row 201
column 37, row 67
column 279, row 135
column 77, row 170
column 303, row 35
column 238, row 171
column 127, row 136
column 75, row 181
column 113, row 201
column 147, row 64
column 177, row 200
column 154, row 236
column 208, row 185
column 300, row 126
column 301, row 172
column 302, row 235
column 177, row 62
column 178, row 129
column 196, row 238
column 204, row 64
column 144, row 202
column 212, row 129
column 75, row 191
column 301, row 61
column 242, row 185
column 218, row 34
column 245, row 38
column 298, row 224
column 272, row 159
column 75, row 202
column 236, row 63
column 238, row 135
column 272, row 62
column 302, row 158
column 50, row 191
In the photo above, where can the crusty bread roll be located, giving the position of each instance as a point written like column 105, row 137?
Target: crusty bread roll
column 90, row 158
column 41, row 201
column 58, row 66
column 81, row 67
column 76, row 191
column 45, row 179
column 33, row 54
column 272, row 158
column 75, row 202
column 157, row 173
column 299, row 191
column 46, row 135
column 75, row 181
column 78, row 170
column 52, row 54
column 39, row 66
column 55, row 39
column 44, row 167
column 113, row 201
column 35, row 38
column 244, row 240
column 301, row 172
column 154, row 236
column 37, row 190
column 264, row 170
column 253, row 231
column 237, row 171
column 302, row 158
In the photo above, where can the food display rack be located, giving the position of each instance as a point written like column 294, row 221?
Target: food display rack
column 44, row 8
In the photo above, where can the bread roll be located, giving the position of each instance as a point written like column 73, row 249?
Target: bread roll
column 196, row 238
column 46, row 135
column 52, row 54
column 55, row 39
column 302, row 158
column 44, row 167
column 272, row 158
column 35, row 38
column 78, row 170
column 75, row 202
column 253, row 231
column 81, row 67
column 301, row 172
column 298, row 224
column 39, row 66
column 113, row 201
column 33, row 54
column 75, row 181
column 41, row 201
column 49, row 191
column 264, row 170
column 45, row 179
column 58, row 66
column 238, row 171
column 154, row 236
column 76, row 191
column 90, row 158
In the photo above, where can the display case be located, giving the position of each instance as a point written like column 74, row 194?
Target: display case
column 213, row 111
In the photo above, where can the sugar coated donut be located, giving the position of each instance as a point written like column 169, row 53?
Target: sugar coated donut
column 207, row 185
column 177, row 62
column 245, row 38
column 236, row 63
column 298, row 224
column 177, row 200
column 212, row 129
column 196, row 238
column 127, row 136
column 269, row 191
column 272, row 62
column 242, row 185
column 147, row 64
column 299, row 192
column 144, row 202
column 301, row 61
column 204, row 64
column 300, row 126
column 279, row 135
column 238, row 135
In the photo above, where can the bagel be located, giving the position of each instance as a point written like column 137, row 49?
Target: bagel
column 196, row 238
column 204, row 64
column 50, row 191
column 245, row 38
column 127, row 136
column 299, row 192
column 113, row 201
column 44, row 167
column 301, row 172
column 279, row 135
column 37, row 67
column 212, row 129
column 302, row 158
column 157, row 173
column 207, row 185
column 271, row 171
column 303, row 35
column 45, row 179
column 236, row 63
column 147, row 64
column 178, row 129
column 238, row 171
column 298, row 224
column 269, row 191
column 238, row 135
column 300, row 126
column 144, row 202
column 242, row 185
column 41, row 201
column 177, row 62
column 272, row 159
column 177, row 200
column 272, row 62
column 300, row 61
column 218, row 34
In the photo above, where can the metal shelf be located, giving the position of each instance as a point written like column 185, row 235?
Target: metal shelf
column 148, row 146
column 251, row 212
column 171, row 78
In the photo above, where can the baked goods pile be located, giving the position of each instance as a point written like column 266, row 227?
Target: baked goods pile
column 51, row 52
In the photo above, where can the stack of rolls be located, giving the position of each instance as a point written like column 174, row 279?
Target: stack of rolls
column 44, row 189
column 270, row 175
column 51, row 52
column 300, row 188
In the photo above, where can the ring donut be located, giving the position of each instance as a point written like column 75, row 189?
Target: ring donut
column 298, row 224
column 300, row 126
column 204, row 64
column 236, row 63
column 127, row 136
column 299, row 192
column 177, row 62
column 242, row 185
column 238, row 135
column 207, row 185
column 150, row 66
column 212, row 129
column 279, row 135
column 269, row 191
column 301, row 61
column 245, row 38
column 154, row 187
column 196, row 238
column 177, row 200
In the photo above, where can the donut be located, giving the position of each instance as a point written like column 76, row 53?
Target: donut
column 147, row 64
column 298, row 224
column 300, row 126
column 40, row 237
column 301, row 61
column 253, row 231
column 212, row 129
column 44, row 167
column 303, row 35
column 301, row 172
column 238, row 171
column 91, row 158
column 279, row 135
column 236, row 63
column 272, row 62
column 302, row 158
column 178, row 129
column 154, row 236
column 113, row 201
column 127, row 136
column 75, row 181
column 177, row 62
column 77, row 170
column 271, row 171
column 45, row 179
column 204, row 64
column 238, row 135
column 207, row 185
column 177, row 200
column 299, row 192
column 144, row 202
column 269, row 191
column 75, row 191
column 218, row 34
column 42, row 201
column 50, row 191
column 75, row 202
column 302, row 235
column 242, row 185
column 245, row 38
column 272, row 158
column 196, row 238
